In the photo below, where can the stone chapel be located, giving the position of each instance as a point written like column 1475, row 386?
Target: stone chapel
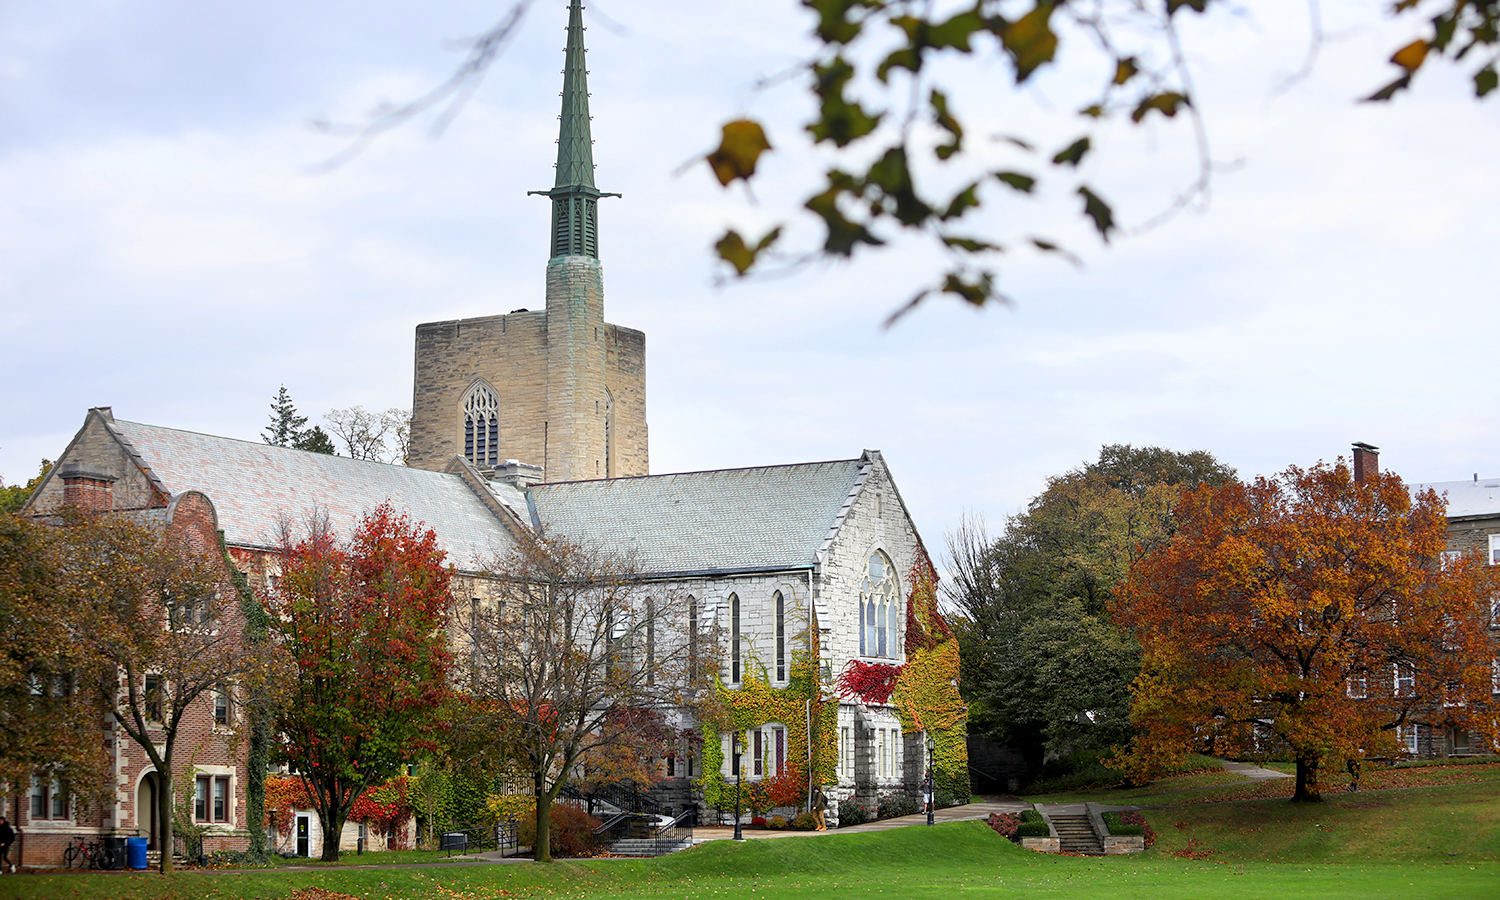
column 538, row 418
column 559, row 388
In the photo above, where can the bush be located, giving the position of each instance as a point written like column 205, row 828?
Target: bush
column 1033, row 825
column 1448, row 761
column 805, row 822
column 1114, row 823
column 758, row 822
column 942, row 799
column 898, row 805
column 776, row 823
column 1004, row 824
column 852, row 812
column 571, row 830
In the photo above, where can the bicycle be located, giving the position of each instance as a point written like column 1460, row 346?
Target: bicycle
column 74, row 853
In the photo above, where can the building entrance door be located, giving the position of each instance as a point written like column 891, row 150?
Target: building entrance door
column 148, row 812
column 304, row 829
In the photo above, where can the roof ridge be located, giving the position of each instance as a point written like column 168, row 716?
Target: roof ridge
column 821, row 462
column 222, row 437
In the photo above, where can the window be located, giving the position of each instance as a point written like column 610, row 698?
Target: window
column 153, row 698
column 1357, row 687
column 482, row 426
column 211, row 798
column 1495, row 676
column 780, row 750
column 650, row 642
column 780, row 637
column 223, row 705
column 1406, row 680
column 1495, row 549
column 846, row 753
column 671, row 767
column 878, row 635
column 734, row 638
column 692, row 639
column 760, row 759
column 49, row 799
column 881, row 753
column 1407, row 736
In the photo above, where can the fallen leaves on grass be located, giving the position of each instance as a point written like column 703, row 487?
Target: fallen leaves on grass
column 1193, row 850
column 313, row 893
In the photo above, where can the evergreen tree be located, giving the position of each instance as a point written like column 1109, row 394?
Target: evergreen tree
column 287, row 429
column 316, row 440
column 286, row 426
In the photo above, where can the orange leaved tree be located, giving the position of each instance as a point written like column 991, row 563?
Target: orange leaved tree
column 1308, row 608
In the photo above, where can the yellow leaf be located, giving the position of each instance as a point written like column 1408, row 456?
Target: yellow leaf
column 1411, row 56
column 739, row 150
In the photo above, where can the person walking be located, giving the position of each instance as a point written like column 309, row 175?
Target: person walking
column 7, row 837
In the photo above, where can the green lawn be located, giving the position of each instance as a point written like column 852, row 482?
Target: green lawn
column 959, row 859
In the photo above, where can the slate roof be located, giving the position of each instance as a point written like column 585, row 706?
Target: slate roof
column 1480, row 497
column 731, row 520
column 252, row 485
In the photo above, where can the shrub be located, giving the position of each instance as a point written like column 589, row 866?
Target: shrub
column 1004, row 824
column 1448, row 761
column 571, row 830
column 942, row 799
column 776, row 822
column 852, row 812
column 898, row 805
column 1032, row 825
column 805, row 822
column 1114, row 823
column 758, row 822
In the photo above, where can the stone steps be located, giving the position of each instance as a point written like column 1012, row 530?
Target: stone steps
column 649, row 846
column 1076, row 835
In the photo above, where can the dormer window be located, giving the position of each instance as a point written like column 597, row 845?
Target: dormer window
column 482, row 426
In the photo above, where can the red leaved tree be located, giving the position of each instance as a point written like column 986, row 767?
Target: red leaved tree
column 1310, row 608
column 362, row 627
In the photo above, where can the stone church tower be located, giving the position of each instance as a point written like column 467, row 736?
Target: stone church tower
column 559, row 388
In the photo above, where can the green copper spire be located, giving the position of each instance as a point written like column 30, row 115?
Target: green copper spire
column 575, row 216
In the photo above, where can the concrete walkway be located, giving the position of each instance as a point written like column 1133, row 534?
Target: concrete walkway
column 1254, row 773
column 963, row 813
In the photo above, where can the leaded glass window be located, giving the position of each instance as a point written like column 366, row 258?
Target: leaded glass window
column 482, row 426
column 879, row 609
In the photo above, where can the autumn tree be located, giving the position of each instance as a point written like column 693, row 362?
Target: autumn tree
column 1306, row 609
column 14, row 496
column 158, row 614
column 1045, row 670
column 361, row 624
column 48, row 715
column 569, row 655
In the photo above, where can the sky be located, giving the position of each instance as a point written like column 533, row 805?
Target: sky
column 171, row 246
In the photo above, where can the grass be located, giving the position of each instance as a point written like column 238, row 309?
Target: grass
column 373, row 858
column 1439, row 840
column 919, row 863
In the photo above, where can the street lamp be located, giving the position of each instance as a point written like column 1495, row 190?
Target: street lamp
column 931, row 746
column 739, row 776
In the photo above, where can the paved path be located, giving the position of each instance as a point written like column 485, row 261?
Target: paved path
column 1254, row 773
column 951, row 814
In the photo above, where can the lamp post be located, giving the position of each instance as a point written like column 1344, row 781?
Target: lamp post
column 739, row 776
column 931, row 746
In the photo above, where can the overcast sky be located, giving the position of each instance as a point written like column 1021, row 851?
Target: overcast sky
column 167, row 247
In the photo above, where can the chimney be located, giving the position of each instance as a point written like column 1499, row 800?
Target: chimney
column 1366, row 462
column 517, row 474
column 87, row 489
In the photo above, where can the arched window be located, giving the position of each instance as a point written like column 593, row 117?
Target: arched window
column 482, row 426
column 780, row 637
column 879, row 610
column 734, row 638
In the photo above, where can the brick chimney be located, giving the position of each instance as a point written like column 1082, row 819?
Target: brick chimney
column 87, row 489
column 1366, row 462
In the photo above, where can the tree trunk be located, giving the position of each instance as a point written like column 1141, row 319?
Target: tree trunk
column 165, row 794
column 1307, row 781
column 333, row 834
column 543, row 849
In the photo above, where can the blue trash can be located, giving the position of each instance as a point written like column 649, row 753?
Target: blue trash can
column 135, row 852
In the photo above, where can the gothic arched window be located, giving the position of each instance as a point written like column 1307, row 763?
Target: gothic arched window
column 482, row 426
column 879, row 609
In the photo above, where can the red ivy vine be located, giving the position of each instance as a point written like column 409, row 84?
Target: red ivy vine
column 870, row 682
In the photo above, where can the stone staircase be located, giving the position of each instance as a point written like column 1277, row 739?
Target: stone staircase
column 1076, row 835
column 649, row 846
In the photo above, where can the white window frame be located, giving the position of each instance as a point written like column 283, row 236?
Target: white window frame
column 1409, row 738
column 1410, row 678
column 1494, row 557
column 1357, row 686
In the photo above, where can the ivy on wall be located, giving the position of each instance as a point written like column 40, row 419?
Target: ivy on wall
column 926, row 695
column 756, row 703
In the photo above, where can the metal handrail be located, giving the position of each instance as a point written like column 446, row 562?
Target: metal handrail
column 612, row 822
